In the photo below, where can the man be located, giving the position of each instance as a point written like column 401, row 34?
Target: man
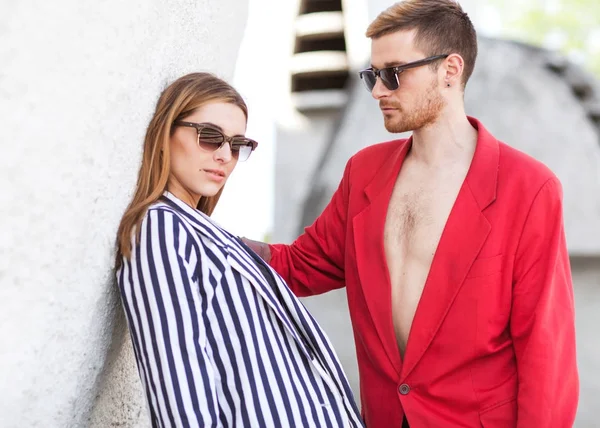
column 451, row 247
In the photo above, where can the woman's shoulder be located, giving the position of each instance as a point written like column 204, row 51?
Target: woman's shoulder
column 160, row 216
column 162, row 208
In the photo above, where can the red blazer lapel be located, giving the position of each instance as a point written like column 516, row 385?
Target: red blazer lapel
column 463, row 237
column 373, row 272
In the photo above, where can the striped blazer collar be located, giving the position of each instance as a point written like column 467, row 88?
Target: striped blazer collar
column 200, row 221
column 240, row 259
column 237, row 254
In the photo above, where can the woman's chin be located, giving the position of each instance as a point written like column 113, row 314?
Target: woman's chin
column 208, row 190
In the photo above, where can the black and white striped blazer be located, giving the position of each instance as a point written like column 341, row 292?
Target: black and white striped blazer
column 219, row 338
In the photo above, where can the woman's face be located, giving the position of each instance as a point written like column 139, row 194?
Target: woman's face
column 197, row 171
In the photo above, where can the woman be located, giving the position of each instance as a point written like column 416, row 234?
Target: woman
column 219, row 338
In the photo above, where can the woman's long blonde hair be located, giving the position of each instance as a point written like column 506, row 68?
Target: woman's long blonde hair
column 180, row 99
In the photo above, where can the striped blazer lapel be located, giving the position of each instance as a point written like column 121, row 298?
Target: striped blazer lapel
column 239, row 259
column 313, row 333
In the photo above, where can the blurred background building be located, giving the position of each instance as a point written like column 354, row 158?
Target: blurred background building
column 78, row 82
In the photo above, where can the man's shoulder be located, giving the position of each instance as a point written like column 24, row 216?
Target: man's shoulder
column 516, row 165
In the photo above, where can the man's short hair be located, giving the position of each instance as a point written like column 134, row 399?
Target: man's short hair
column 442, row 27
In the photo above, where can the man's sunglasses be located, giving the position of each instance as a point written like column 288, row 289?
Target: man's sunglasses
column 212, row 139
column 389, row 75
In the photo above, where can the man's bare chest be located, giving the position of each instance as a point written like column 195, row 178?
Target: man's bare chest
column 416, row 217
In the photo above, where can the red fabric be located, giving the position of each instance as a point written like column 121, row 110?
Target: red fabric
column 493, row 339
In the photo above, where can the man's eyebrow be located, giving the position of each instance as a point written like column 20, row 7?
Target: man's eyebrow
column 394, row 63
column 389, row 64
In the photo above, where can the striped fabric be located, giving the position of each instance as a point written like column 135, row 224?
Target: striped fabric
column 219, row 338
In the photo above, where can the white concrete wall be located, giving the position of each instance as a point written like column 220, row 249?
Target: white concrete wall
column 78, row 83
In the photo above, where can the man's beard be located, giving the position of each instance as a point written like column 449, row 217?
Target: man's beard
column 424, row 113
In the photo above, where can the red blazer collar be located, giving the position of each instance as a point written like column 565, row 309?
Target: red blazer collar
column 482, row 177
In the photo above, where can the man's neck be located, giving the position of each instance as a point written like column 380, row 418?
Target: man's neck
column 450, row 139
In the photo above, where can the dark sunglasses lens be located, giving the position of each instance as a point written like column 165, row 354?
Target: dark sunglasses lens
column 388, row 77
column 210, row 139
column 369, row 77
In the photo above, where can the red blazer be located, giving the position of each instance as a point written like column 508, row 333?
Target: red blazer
column 492, row 343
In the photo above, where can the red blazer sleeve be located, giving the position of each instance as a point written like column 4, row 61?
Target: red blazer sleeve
column 314, row 262
column 543, row 318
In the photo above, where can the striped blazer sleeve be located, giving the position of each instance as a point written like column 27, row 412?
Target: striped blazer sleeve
column 164, row 305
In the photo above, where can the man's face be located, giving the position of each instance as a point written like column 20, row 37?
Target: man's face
column 417, row 102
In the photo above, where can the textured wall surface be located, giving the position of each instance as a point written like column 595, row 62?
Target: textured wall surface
column 78, row 83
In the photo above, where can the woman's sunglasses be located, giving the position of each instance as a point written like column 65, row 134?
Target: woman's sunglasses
column 212, row 139
column 389, row 75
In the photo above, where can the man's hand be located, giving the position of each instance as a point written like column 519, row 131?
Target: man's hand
column 259, row 248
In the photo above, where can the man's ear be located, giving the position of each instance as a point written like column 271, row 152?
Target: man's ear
column 453, row 69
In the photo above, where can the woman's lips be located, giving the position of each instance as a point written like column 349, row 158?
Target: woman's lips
column 215, row 174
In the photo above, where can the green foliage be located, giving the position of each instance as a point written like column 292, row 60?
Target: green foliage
column 574, row 22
